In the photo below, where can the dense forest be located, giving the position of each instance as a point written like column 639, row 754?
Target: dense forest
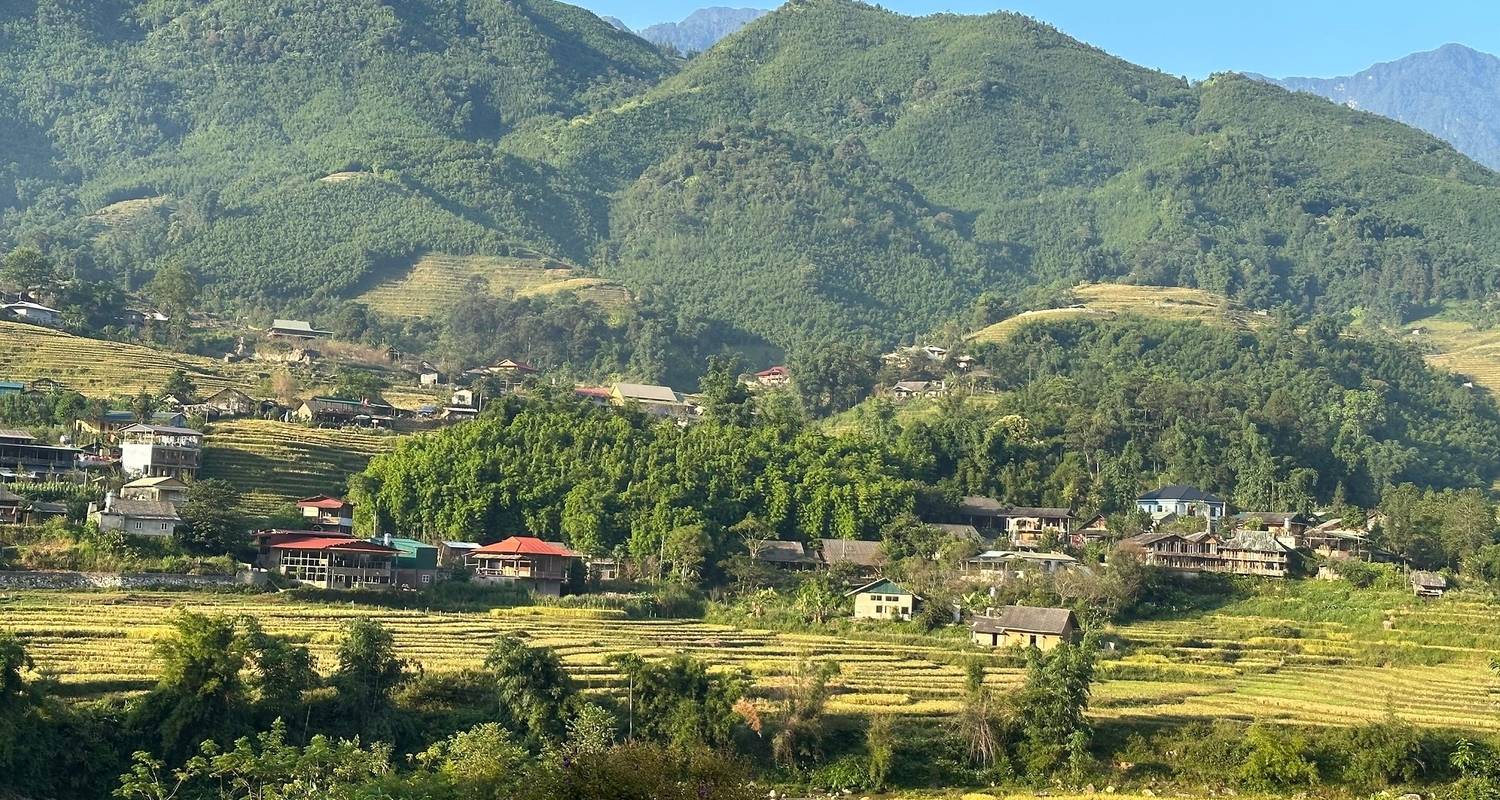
column 832, row 170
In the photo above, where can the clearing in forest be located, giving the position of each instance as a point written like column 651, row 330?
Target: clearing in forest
column 438, row 281
column 1109, row 299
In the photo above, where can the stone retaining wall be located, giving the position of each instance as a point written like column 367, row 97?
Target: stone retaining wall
column 117, row 580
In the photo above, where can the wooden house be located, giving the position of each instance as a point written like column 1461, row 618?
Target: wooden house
column 329, row 561
column 785, row 555
column 863, row 557
column 337, row 412
column 1004, row 565
column 327, row 514
column 1428, row 584
column 882, row 599
column 231, row 403
column 12, row 507
column 773, row 377
column 1025, row 626
column 541, row 566
column 453, row 554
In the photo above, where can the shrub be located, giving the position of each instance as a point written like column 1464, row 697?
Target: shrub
column 1278, row 760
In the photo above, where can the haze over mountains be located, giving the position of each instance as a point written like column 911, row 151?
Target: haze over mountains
column 1452, row 92
column 836, row 171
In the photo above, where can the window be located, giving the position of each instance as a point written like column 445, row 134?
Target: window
column 1033, row 640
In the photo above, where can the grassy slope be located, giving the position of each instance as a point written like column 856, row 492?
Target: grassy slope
column 274, row 463
column 101, row 368
column 1113, row 298
column 1340, row 666
column 1460, row 347
column 437, row 281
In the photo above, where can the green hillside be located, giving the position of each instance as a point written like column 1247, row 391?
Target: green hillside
column 832, row 170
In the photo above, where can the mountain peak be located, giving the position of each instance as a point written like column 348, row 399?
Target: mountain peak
column 701, row 29
column 1448, row 92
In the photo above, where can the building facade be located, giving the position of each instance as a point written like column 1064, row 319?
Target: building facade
column 154, row 451
column 542, row 567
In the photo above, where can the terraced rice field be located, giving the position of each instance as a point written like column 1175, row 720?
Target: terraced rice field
column 104, row 369
column 437, row 281
column 127, row 213
column 1110, row 299
column 1430, row 667
column 274, row 463
column 1461, row 348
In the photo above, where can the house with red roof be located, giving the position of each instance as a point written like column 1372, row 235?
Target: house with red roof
column 774, row 376
column 328, row 514
column 327, row 560
column 541, row 566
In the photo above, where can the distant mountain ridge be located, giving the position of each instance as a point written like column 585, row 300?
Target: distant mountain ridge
column 1452, row 92
column 702, row 29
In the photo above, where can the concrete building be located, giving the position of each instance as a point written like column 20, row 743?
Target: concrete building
column 883, row 599
column 152, row 451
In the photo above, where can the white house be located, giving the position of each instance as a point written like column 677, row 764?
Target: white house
column 150, row 451
column 882, row 599
column 135, row 517
column 36, row 313
column 1183, row 501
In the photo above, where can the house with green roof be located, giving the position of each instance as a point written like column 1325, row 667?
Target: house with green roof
column 416, row 562
column 883, row 599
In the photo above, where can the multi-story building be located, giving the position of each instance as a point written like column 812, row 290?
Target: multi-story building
column 21, row 456
column 542, row 566
column 153, row 451
column 328, row 561
column 328, row 514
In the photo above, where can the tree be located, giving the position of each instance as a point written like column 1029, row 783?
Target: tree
column 261, row 768
column 26, row 268
column 981, row 723
column 358, row 385
column 220, row 676
column 211, row 523
column 725, row 398
column 832, row 377
column 799, row 735
column 368, row 673
column 178, row 385
column 686, row 548
column 14, row 661
column 532, row 689
column 880, row 746
column 1051, row 706
column 1278, row 760
column 591, row 731
column 817, row 600
column 678, row 701
column 482, row 762
column 175, row 289
column 143, row 405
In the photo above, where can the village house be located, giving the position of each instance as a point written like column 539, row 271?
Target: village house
column 34, row 313
column 1094, row 530
column 986, row 514
column 594, row 395
column 12, row 507
column 1182, row 501
column 416, row 562
column 1428, row 584
column 773, row 377
column 23, row 457
column 541, row 566
column 1175, row 551
column 453, row 554
column 41, row 511
column 44, row 386
column 785, row 555
column 327, row 514
column 1257, row 553
column 135, row 517
column 327, row 560
column 911, row 390
column 863, row 558
column 231, row 403
column 8, row 388
column 104, row 428
column 882, row 599
column 162, row 489
column 1005, row 565
column 1289, row 527
column 337, row 412
column 603, row 569
column 150, row 451
column 1029, row 527
column 1025, row 626
column 957, row 530
column 295, row 329
column 661, row 401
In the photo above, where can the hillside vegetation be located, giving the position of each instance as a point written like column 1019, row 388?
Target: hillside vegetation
column 833, row 169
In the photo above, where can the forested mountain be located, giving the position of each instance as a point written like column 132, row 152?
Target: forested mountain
column 833, row 169
column 701, row 29
column 1450, row 92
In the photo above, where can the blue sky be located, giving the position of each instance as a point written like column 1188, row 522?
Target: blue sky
column 1274, row 37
